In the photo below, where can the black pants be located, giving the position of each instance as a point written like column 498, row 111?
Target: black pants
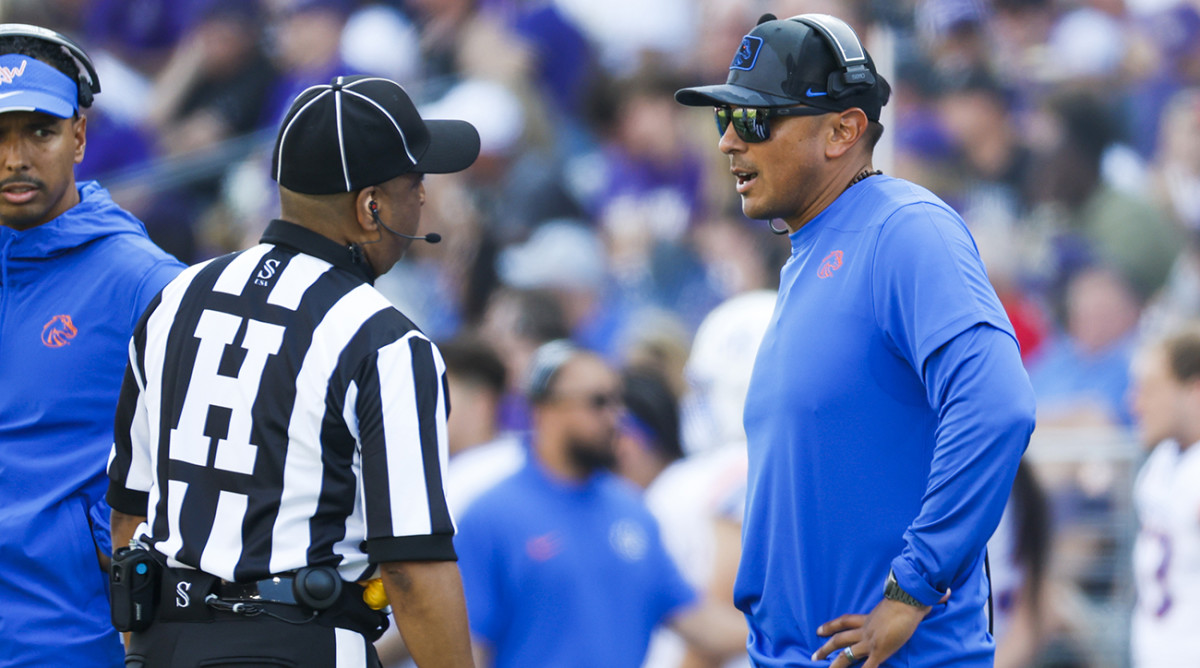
column 235, row 641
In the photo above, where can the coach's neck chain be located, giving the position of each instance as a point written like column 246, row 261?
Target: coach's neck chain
column 862, row 175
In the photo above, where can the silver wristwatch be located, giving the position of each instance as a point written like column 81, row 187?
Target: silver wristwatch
column 893, row 591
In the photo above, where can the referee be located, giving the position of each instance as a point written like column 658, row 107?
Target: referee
column 281, row 432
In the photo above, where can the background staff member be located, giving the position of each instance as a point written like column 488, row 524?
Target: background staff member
column 1165, row 398
column 888, row 408
column 279, row 414
column 562, row 562
column 76, row 272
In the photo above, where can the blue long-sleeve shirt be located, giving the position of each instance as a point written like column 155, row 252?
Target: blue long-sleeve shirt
column 71, row 291
column 887, row 414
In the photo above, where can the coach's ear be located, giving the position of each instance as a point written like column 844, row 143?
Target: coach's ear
column 845, row 129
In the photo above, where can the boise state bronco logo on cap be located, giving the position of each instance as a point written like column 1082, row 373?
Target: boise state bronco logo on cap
column 747, row 53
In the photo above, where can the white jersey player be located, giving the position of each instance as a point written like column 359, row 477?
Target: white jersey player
column 1166, row 557
column 699, row 500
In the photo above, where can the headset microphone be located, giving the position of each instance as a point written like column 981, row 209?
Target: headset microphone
column 432, row 237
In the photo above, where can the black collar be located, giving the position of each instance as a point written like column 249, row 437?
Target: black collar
column 350, row 258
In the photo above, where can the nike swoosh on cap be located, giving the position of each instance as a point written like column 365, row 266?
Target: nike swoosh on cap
column 812, row 93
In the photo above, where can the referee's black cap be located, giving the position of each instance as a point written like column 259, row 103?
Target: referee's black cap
column 361, row 131
column 811, row 59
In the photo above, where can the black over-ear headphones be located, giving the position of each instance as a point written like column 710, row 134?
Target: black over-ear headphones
column 89, row 83
column 851, row 55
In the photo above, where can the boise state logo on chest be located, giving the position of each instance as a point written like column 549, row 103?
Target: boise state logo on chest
column 747, row 53
column 58, row 332
column 830, row 264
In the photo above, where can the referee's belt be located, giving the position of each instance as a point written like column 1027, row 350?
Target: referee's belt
column 315, row 594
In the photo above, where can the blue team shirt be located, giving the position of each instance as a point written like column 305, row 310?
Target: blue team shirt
column 71, row 291
column 864, row 451
column 565, row 574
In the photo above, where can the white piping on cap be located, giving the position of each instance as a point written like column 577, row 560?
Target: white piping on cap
column 288, row 127
column 337, row 106
column 373, row 103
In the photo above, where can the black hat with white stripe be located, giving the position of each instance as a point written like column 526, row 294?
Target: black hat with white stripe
column 362, row 131
column 811, row 59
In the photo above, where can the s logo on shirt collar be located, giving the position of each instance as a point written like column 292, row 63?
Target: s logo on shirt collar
column 830, row 264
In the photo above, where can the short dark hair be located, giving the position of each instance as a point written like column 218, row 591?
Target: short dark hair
column 541, row 317
column 39, row 49
column 872, row 134
column 1183, row 354
column 472, row 359
column 650, row 401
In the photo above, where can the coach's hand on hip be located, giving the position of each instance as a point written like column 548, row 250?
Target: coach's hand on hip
column 871, row 638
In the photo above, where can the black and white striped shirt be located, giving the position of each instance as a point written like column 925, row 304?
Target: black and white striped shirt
column 278, row 412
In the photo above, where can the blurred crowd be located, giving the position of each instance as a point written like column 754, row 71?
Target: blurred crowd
column 1066, row 132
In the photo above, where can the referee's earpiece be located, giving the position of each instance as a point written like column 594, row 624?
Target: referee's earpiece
column 374, row 208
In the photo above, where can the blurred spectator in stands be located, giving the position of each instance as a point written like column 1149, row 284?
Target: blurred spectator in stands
column 515, row 323
column 1091, row 218
column 444, row 27
column 628, row 34
column 213, row 86
column 514, row 185
column 1082, row 376
column 1176, row 171
column 739, row 255
column 379, row 39
column 1164, row 59
column 141, row 33
column 567, row 259
column 652, row 180
column 561, row 62
column 990, row 159
column 954, row 35
column 719, row 29
column 648, row 435
column 212, row 89
column 649, row 194
column 305, row 46
column 988, row 181
column 1009, row 249
column 656, row 341
column 1175, row 181
column 1019, row 29
column 1087, row 45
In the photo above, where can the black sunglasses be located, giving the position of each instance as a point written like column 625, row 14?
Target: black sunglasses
column 750, row 123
